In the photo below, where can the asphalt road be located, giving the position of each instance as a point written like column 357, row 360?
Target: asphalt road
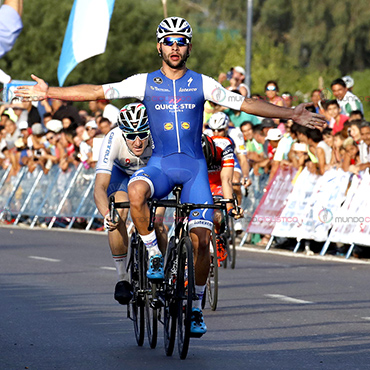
column 275, row 311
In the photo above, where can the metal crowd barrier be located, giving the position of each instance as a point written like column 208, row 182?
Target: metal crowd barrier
column 58, row 198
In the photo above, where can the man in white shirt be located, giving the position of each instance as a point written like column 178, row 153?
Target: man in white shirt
column 346, row 99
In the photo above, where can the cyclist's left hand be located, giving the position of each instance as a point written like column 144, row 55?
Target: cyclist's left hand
column 237, row 213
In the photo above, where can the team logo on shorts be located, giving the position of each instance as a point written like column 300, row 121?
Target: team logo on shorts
column 168, row 126
column 185, row 125
column 158, row 80
column 196, row 213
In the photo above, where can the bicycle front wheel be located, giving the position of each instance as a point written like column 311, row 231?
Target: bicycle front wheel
column 170, row 309
column 137, row 303
column 185, row 290
column 232, row 243
column 151, row 315
column 212, row 280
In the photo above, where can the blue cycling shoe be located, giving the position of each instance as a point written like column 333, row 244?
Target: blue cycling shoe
column 198, row 327
column 155, row 269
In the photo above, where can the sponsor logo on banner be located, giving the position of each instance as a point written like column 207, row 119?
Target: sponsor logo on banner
column 168, row 126
column 325, row 216
column 185, row 125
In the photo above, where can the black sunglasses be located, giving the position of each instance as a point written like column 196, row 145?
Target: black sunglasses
column 132, row 136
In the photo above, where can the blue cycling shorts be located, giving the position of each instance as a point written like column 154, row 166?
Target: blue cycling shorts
column 118, row 181
column 164, row 173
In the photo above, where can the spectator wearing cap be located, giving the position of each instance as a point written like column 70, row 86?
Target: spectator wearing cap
column 54, row 125
column 349, row 81
column 91, row 128
column 345, row 98
column 53, row 147
column 109, row 110
column 274, row 137
column 236, row 76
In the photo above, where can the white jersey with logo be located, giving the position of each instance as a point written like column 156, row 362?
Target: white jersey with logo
column 115, row 152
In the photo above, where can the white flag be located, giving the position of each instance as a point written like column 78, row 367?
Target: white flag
column 86, row 34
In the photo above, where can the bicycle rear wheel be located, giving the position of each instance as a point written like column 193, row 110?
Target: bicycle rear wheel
column 137, row 303
column 169, row 310
column 212, row 280
column 232, row 243
column 185, row 290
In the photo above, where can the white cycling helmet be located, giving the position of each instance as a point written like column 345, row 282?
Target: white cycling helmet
column 174, row 26
column 348, row 81
column 133, row 118
column 218, row 121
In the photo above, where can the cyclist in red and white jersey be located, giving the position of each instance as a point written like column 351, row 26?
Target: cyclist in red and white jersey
column 219, row 154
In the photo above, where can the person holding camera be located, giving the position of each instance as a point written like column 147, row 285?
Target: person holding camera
column 236, row 76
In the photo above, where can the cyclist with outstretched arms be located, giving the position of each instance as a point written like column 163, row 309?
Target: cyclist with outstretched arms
column 124, row 150
column 174, row 97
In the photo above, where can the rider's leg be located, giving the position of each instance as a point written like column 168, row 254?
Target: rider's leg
column 118, row 243
column 160, row 229
column 118, row 239
column 139, row 192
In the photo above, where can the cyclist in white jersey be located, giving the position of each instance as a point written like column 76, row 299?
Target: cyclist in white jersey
column 174, row 97
column 124, row 150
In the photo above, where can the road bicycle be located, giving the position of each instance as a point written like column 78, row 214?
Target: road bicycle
column 144, row 307
column 178, row 290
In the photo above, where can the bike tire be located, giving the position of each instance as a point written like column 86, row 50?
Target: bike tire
column 212, row 280
column 232, row 244
column 169, row 310
column 185, row 290
column 137, row 304
column 151, row 312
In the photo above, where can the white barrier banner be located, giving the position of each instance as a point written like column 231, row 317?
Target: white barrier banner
column 352, row 221
column 327, row 196
column 293, row 214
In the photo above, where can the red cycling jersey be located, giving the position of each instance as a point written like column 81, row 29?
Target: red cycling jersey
column 224, row 158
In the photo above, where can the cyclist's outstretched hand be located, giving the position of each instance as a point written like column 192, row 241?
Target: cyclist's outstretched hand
column 33, row 92
column 306, row 118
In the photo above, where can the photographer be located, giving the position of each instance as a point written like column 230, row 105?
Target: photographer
column 236, row 76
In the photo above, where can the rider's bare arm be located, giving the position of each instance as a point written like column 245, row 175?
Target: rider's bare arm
column 42, row 91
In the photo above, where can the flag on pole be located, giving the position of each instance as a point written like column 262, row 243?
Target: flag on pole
column 86, row 34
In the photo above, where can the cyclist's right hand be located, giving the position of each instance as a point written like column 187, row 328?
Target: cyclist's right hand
column 33, row 92
column 108, row 223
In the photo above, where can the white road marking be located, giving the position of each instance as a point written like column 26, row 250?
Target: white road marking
column 44, row 259
column 285, row 298
column 366, row 318
column 108, row 268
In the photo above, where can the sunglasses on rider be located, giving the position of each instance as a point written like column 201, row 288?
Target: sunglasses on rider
column 170, row 40
column 132, row 136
